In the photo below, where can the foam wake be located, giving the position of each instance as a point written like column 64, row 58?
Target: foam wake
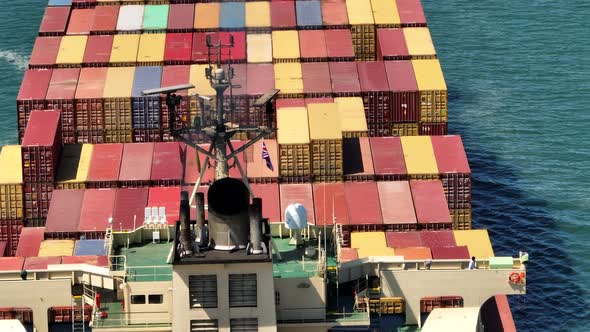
column 17, row 60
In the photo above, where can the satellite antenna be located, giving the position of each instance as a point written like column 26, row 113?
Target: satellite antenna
column 295, row 220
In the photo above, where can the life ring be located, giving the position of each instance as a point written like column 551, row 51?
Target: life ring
column 514, row 278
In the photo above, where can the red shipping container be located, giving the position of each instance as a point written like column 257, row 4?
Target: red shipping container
column 105, row 165
column 271, row 206
column 105, row 20
column 168, row 197
column 316, row 79
column 430, row 204
column 199, row 49
column 136, row 164
column 37, row 199
column 89, row 106
column 357, row 159
column 319, row 100
column 31, row 95
column 147, row 135
column 334, row 14
column 459, row 252
column 339, row 45
column 405, row 98
column 433, row 128
column 64, row 214
column 281, row 103
column 397, row 207
column 100, row 261
column 130, row 204
column 192, row 169
column 256, row 167
column 411, row 13
column 54, row 21
column 391, row 45
column 41, row 147
column 388, row 158
column 238, row 51
column 241, row 113
column 60, row 97
column 175, row 75
column 44, row 52
column 347, row 255
column 312, row 45
column 10, row 231
column 167, row 164
column 81, row 21
column 330, row 204
column 433, row 239
column 30, row 241
column 414, row 253
column 301, row 193
column 98, row 51
column 40, row 263
column 181, row 17
column 452, row 163
column 11, row 263
column 403, row 239
column 375, row 92
column 97, row 207
column 261, row 78
column 345, row 79
column 362, row 200
column 178, row 48
column 282, row 15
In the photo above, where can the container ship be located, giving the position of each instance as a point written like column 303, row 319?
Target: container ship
column 241, row 166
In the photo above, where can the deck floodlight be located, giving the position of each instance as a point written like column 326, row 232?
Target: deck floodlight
column 167, row 89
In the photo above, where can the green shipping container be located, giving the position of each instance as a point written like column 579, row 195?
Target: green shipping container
column 155, row 17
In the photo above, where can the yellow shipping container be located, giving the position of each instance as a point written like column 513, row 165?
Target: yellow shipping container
column 385, row 13
column 71, row 50
column 289, row 78
column 151, row 49
column 259, row 48
column 119, row 82
column 11, row 183
column 368, row 240
column 429, row 75
column 124, row 49
column 352, row 114
column 73, row 166
column 285, row 46
column 50, row 248
column 201, row 83
column 359, row 12
column 324, row 121
column 477, row 242
column 207, row 16
column 258, row 14
column 419, row 43
column 292, row 125
column 381, row 251
column 433, row 90
column 419, row 156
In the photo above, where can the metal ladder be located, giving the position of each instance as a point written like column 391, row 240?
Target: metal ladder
column 108, row 239
column 78, row 314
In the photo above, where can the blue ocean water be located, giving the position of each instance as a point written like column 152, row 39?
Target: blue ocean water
column 518, row 74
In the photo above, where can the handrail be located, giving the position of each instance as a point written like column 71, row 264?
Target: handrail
column 156, row 272
column 309, row 315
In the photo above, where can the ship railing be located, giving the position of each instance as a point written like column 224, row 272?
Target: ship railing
column 399, row 263
column 149, row 273
column 320, row 315
column 117, row 263
column 130, row 320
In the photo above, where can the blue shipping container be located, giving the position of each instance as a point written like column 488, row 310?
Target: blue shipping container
column 309, row 13
column 146, row 109
column 60, row 3
column 232, row 15
column 90, row 248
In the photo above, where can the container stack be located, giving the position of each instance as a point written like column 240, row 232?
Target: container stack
column 294, row 144
column 41, row 148
column 11, row 198
column 326, row 142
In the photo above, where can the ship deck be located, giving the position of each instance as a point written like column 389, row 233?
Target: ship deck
column 147, row 261
column 294, row 263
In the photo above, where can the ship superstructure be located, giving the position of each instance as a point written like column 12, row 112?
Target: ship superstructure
column 242, row 166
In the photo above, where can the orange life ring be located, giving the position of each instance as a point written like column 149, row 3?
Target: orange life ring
column 514, row 278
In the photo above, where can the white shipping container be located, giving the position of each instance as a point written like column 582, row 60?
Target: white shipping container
column 130, row 18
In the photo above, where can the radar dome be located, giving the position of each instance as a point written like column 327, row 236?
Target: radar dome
column 295, row 216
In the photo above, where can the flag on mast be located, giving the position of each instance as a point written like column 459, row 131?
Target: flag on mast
column 266, row 156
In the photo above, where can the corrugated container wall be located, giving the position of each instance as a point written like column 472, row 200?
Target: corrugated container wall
column 117, row 104
column 174, row 75
column 89, row 105
column 433, row 90
column 41, row 147
column 293, row 139
column 326, row 142
column 362, row 27
column 10, row 231
column 31, row 96
column 376, row 97
column 146, row 109
column 11, row 183
column 405, row 99
column 60, row 97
